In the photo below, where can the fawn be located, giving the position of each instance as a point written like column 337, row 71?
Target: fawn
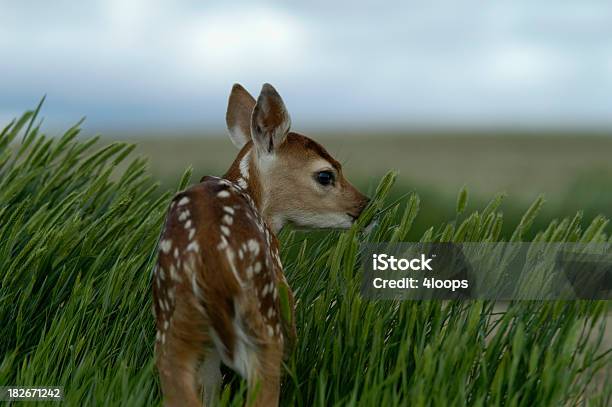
column 218, row 275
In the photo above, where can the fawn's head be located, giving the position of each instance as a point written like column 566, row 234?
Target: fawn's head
column 292, row 177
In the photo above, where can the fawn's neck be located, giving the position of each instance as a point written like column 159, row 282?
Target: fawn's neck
column 244, row 173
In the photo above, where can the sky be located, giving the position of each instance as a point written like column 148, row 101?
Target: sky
column 160, row 65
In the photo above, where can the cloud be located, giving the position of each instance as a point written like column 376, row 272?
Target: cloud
column 160, row 63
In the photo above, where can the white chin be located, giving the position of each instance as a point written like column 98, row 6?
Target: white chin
column 323, row 221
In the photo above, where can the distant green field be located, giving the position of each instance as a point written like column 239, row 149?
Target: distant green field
column 572, row 171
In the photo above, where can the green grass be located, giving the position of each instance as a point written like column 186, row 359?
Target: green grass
column 77, row 244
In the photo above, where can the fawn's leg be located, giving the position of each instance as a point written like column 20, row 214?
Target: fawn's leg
column 177, row 376
column 210, row 376
column 264, row 382
column 179, row 351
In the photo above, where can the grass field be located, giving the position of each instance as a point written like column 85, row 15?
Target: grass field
column 79, row 223
column 573, row 172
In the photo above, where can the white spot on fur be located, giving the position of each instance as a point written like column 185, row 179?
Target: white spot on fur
column 194, row 285
column 223, row 244
column 229, row 210
column 228, row 219
column 193, row 247
column 229, row 253
column 270, row 331
column 165, row 245
column 188, row 224
column 257, row 267
column 225, row 230
column 223, row 194
column 184, row 215
column 268, row 289
column 253, row 246
column 184, row 201
column 173, row 274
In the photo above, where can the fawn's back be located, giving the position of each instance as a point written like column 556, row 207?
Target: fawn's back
column 217, row 251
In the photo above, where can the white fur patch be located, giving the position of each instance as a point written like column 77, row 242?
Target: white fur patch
column 223, row 194
column 265, row 163
column 223, row 244
column 165, row 245
column 244, row 358
column 193, row 247
column 229, row 253
column 190, row 268
column 253, row 246
column 244, row 165
column 184, row 215
column 332, row 220
column 173, row 274
column 239, row 139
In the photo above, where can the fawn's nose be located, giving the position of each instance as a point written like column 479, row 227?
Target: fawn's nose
column 359, row 208
column 364, row 203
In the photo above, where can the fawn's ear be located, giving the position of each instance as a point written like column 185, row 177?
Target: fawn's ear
column 270, row 121
column 238, row 117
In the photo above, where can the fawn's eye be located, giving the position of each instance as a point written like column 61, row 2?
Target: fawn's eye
column 325, row 177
